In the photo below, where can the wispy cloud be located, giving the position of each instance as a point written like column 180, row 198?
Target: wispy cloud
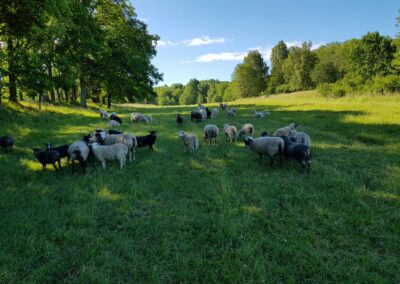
column 224, row 56
column 203, row 40
column 167, row 43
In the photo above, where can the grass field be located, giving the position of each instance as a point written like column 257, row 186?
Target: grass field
column 216, row 216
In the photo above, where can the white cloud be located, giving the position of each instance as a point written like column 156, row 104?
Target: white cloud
column 224, row 56
column 166, row 43
column 203, row 40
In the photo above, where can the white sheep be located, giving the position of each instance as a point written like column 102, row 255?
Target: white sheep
column 300, row 137
column 214, row 113
column 78, row 151
column 211, row 132
column 260, row 114
column 149, row 118
column 103, row 114
column 266, row 146
column 230, row 132
column 129, row 140
column 246, row 130
column 114, row 123
column 116, row 151
column 284, row 131
column 190, row 141
column 230, row 112
column 203, row 112
column 138, row 117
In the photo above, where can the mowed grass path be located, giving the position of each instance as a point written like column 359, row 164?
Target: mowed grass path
column 216, row 216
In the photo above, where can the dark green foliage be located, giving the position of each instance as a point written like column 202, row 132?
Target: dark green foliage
column 278, row 56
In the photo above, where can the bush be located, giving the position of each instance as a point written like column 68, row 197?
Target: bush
column 390, row 83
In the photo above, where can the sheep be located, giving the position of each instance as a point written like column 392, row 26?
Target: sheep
column 214, row 113
column 223, row 106
column 149, row 118
column 300, row 137
column 114, row 116
column 47, row 157
column 234, row 110
column 208, row 113
column 246, row 130
column 6, row 143
column 264, row 134
column 138, row 117
column 114, row 123
column 203, row 113
column 196, row 115
column 148, row 140
column 111, row 131
column 230, row 132
column 129, row 140
column 62, row 150
column 299, row 152
column 211, row 132
column 79, row 151
column 284, row 131
column 103, row 114
column 259, row 114
column 200, row 107
column 179, row 120
column 190, row 141
column 229, row 112
column 266, row 146
column 116, row 151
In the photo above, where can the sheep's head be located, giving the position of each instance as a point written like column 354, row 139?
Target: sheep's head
column 264, row 133
column 248, row 141
column 48, row 146
column 153, row 133
column 182, row 135
column 86, row 138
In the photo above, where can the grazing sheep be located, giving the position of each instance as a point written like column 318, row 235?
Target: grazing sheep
column 203, row 113
column 179, row 120
column 234, row 110
column 229, row 112
column 230, row 132
column 246, row 130
column 299, row 152
column 148, row 140
column 149, row 118
column 103, row 114
column 190, row 141
column 79, row 151
column 116, row 151
column 114, row 123
column 211, row 132
column 62, row 150
column 259, row 114
column 138, row 117
column 196, row 115
column 223, row 106
column 129, row 140
column 214, row 113
column 266, row 146
column 200, row 107
column 300, row 137
column 111, row 131
column 208, row 113
column 6, row 143
column 115, row 117
column 47, row 157
column 284, row 131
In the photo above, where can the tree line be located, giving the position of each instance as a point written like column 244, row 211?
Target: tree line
column 367, row 65
column 72, row 50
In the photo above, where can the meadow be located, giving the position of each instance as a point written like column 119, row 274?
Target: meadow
column 215, row 216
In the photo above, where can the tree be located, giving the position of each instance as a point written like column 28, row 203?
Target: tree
column 190, row 93
column 396, row 43
column 250, row 76
column 278, row 56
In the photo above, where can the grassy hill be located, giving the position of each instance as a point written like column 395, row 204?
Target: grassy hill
column 216, row 216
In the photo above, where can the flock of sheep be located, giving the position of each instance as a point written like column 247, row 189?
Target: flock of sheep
column 112, row 144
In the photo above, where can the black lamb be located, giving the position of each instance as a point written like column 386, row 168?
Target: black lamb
column 196, row 116
column 116, row 118
column 296, row 151
column 62, row 150
column 179, row 120
column 48, row 157
column 6, row 143
column 148, row 140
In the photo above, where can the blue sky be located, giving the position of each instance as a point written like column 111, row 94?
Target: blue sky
column 206, row 39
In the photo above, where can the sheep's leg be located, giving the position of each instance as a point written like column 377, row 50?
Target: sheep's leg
column 55, row 167
column 134, row 153
column 103, row 164
column 151, row 147
column 121, row 163
column 130, row 155
column 59, row 163
column 68, row 157
column 43, row 168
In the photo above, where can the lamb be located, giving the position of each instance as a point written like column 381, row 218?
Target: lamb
column 211, row 132
column 229, row 112
column 223, row 106
column 230, row 132
column 116, row 151
column 214, row 113
column 62, row 150
column 266, row 146
column 138, row 117
column 47, row 157
column 129, row 140
column 103, row 114
column 114, row 123
column 190, row 141
column 299, row 152
column 300, row 137
column 79, row 151
column 6, row 143
column 148, row 140
column 246, row 130
column 179, row 120
column 259, row 114
column 203, row 113
column 196, row 115
column 284, row 131
column 115, row 117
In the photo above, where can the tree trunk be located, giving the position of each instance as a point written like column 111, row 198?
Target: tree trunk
column 108, row 100
column 21, row 95
column 103, row 100
column 73, row 96
column 12, row 78
column 40, row 100
column 83, row 92
column 50, row 73
column 1, row 95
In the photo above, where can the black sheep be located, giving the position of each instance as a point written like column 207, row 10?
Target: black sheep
column 48, row 157
column 62, row 150
column 296, row 151
column 179, row 120
column 148, row 140
column 116, row 118
column 6, row 143
column 196, row 116
column 208, row 112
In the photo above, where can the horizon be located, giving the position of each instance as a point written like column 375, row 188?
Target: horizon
column 209, row 47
